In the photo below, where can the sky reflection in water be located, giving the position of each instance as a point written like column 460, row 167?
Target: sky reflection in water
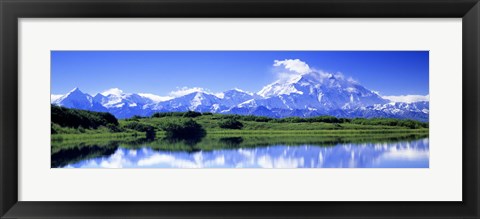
column 406, row 154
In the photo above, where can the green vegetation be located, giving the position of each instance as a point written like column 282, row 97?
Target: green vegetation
column 390, row 122
column 184, row 129
column 73, row 118
column 230, row 124
column 189, row 131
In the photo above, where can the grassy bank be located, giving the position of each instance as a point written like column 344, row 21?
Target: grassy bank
column 196, row 131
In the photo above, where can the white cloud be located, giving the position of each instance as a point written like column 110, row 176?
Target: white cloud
column 290, row 69
column 407, row 98
column 186, row 90
column 293, row 65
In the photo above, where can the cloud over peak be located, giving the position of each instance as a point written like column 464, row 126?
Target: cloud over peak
column 291, row 69
column 293, row 65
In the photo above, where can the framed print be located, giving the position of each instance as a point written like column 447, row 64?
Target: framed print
column 239, row 109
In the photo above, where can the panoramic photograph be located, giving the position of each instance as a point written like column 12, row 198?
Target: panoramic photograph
column 239, row 109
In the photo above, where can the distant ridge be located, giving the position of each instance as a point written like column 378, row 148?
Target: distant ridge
column 306, row 95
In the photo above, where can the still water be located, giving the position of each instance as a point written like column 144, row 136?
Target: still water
column 401, row 154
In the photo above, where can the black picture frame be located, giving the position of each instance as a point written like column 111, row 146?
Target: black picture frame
column 12, row 10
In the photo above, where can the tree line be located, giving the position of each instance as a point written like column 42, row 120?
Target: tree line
column 234, row 121
column 184, row 124
column 74, row 118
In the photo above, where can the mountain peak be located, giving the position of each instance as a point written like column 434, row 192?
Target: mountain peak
column 237, row 90
column 74, row 99
column 98, row 95
column 75, row 92
column 196, row 94
column 76, row 89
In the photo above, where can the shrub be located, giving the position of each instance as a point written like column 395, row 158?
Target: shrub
column 157, row 115
column 326, row 119
column 391, row 122
column 256, row 118
column 75, row 118
column 293, row 119
column 57, row 129
column 192, row 114
column 184, row 129
column 165, row 114
column 137, row 126
column 231, row 124
column 113, row 128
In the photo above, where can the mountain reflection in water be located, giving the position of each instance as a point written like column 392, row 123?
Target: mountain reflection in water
column 401, row 154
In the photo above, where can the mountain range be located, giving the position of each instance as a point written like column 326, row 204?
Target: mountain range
column 305, row 95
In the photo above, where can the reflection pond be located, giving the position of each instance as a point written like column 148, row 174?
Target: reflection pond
column 410, row 151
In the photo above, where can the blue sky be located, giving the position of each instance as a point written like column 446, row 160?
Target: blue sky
column 160, row 72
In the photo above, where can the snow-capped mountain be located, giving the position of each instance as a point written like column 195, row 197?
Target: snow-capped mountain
column 236, row 96
column 196, row 101
column 116, row 98
column 305, row 95
column 315, row 91
column 74, row 99
column 120, row 104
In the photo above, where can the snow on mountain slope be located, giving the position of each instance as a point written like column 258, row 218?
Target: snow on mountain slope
column 113, row 100
column 116, row 98
column 75, row 99
column 154, row 98
column 308, row 93
column 315, row 91
column 55, row 97
column 196, row 101
column 235, row 96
